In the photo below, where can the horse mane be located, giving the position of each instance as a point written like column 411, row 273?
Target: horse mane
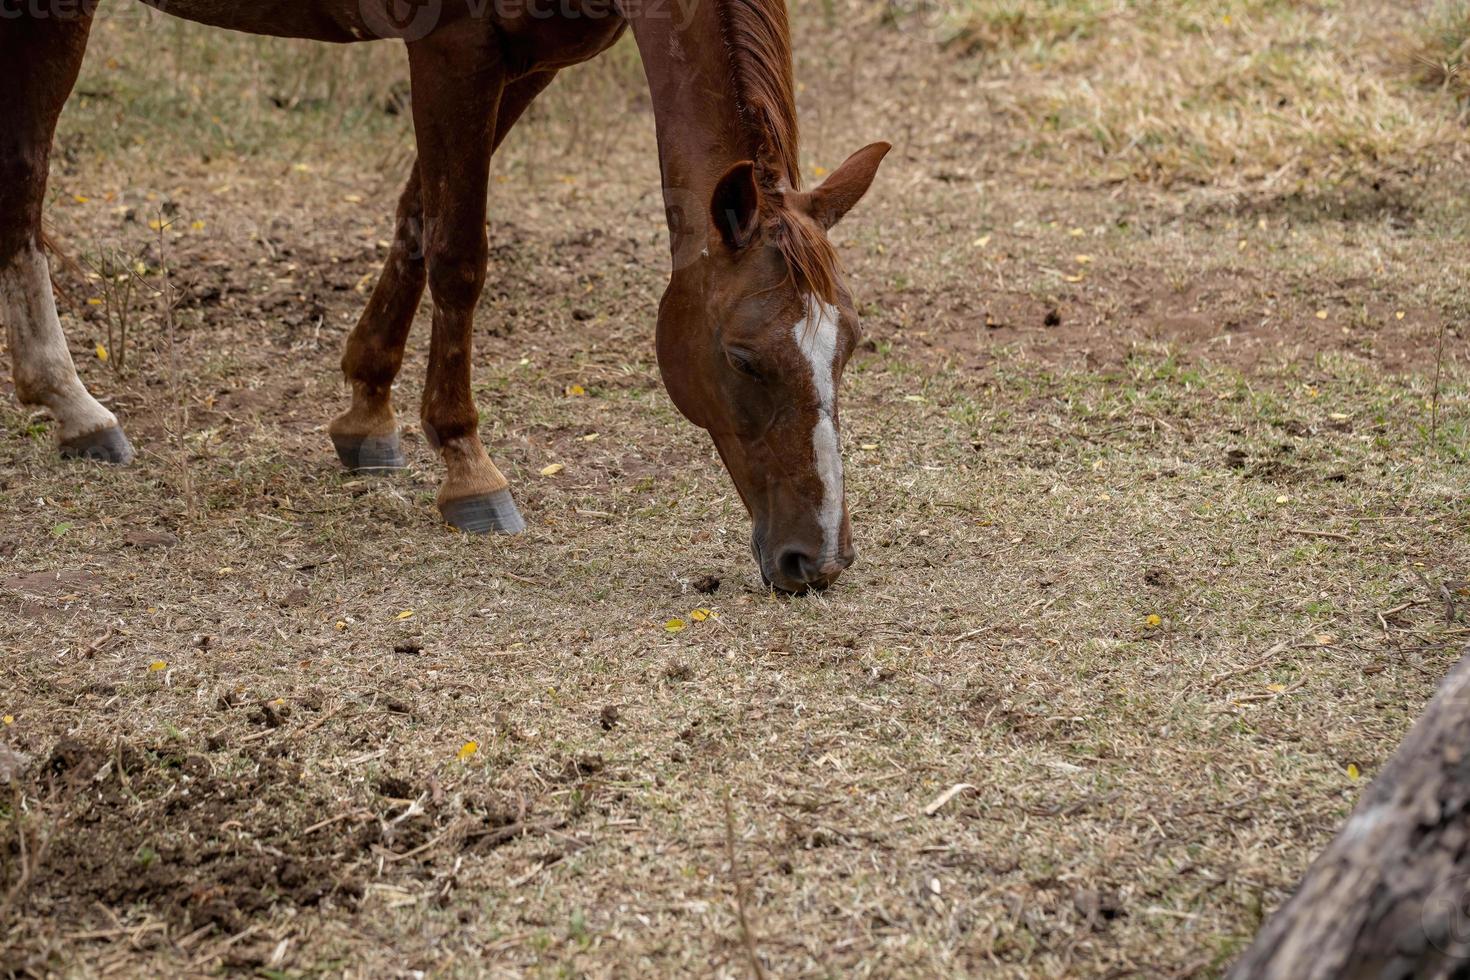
column 757, row 37
column 757, row 40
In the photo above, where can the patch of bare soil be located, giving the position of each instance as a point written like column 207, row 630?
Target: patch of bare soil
column 1236, row 317
column 204, row 844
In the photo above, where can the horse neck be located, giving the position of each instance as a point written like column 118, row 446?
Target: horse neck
column 700, row 132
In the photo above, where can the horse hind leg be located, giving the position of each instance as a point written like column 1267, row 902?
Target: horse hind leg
column 44, row 50
column 366, row 435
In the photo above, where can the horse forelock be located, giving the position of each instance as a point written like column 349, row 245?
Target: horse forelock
column 810, row 257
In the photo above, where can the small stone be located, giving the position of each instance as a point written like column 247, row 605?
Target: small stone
column 145, row 540
column 12, row 764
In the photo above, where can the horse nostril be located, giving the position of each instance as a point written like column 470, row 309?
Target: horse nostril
column 797, row 566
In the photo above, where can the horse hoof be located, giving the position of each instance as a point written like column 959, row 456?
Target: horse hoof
column 484, row 514
column 103, row 446
column 370, row 454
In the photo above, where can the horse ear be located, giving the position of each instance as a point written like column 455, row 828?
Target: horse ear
column 847, row 185
column 735, row 207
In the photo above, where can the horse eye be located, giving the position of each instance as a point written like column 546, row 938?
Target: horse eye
column 744, row 362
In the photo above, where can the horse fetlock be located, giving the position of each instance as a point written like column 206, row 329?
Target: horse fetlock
column 371, row 414
column 469, row 471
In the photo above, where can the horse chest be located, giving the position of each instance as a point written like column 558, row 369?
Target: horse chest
column 545, row 34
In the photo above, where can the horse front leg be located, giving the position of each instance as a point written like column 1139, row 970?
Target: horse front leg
column 366, row 435
column 42, row 46
column 458, row 80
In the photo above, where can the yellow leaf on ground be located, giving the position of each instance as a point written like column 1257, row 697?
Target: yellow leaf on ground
column 552, row 470
column 1082, row 259
column 8, row 719
column 1399, row 315
column 1352, row 771
column 1321, row 314
column 468, row 749
column 675, row 626
column 406, row 614
column 1275, row 688
column 591, row 437
column 95, row 301
column 101, row 352
column 1153, row 621
column 158, row 665
column 1283, row 499
column 576, row 391
column 700, row 615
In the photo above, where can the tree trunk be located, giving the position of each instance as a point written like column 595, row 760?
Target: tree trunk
column 1390, row 897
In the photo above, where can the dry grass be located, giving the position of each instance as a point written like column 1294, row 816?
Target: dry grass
column 1089, row 405
column 1251, row 94
column 1437, row 59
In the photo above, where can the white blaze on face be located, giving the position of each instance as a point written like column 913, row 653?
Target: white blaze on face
column 43, row 368
column 816, row 338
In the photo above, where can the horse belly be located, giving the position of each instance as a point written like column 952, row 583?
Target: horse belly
column 338, row 21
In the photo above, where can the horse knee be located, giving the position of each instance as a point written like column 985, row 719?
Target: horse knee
column 457, row 274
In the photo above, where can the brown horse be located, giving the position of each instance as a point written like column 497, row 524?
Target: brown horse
column 753, row 331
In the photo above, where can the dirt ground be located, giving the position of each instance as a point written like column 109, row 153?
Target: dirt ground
column 1156, row 460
